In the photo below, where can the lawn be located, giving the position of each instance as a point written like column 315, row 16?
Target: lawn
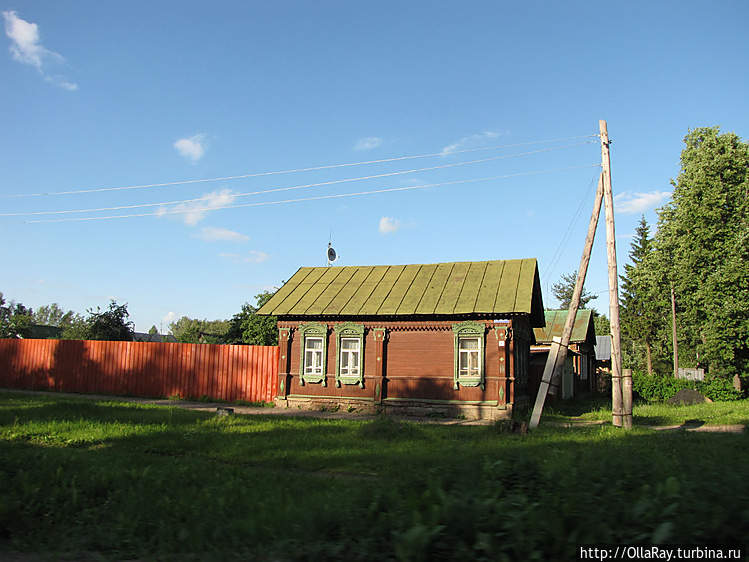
column 126, row 480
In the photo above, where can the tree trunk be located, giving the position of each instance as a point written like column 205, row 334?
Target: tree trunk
column 649, row 356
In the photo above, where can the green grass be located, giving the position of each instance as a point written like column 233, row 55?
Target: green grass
column 126, row 480
column 652, row 413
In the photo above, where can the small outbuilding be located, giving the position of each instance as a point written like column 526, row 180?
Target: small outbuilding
column 451, row 338
column 578, row 375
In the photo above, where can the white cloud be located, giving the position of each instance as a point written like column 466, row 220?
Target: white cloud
column 471, row 140
column 389, row 225
column 191, row 148
column 633, row 202
column 169, row 318
column 26, row 48
column 195, row 211
column 257, row 257
column 368, row 143
column 253, row 256
column 215, row 234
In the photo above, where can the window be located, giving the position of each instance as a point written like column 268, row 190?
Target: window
column 350, row 357
column 469, row 363
column 469, row 354
column 314, row 343
column 313, row 348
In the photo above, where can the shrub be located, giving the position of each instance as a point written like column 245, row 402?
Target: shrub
column 659, row 388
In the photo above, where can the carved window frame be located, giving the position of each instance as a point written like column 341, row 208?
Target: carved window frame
column 349, row 330
column 313, row 330
column 463, row 331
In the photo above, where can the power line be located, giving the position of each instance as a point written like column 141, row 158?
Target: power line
column 279, row 189
column 319, row 197
column 314, row 168
column 565, row 239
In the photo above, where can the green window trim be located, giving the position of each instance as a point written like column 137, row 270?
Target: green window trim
column 349, row 367
column 468, row 369
column 313, row 342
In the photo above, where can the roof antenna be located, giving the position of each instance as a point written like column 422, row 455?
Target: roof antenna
column 332, row 256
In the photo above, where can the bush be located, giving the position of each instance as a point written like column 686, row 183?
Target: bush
column 659, row 388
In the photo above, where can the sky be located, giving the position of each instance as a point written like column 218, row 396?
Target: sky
column 183, row 157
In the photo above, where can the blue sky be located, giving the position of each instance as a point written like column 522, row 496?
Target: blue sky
column 206, row 103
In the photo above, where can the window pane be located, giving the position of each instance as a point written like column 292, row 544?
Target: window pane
column 472, row 343
column 314, row 343
column 349, row 343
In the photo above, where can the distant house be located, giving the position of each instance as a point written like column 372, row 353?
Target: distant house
column 446, row 337
column 578, row 376
column 40, row 332
column 154, row 338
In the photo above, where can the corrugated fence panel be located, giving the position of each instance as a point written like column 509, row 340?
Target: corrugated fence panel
column 226, row 372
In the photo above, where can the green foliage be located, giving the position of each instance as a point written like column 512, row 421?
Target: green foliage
column 565, row 288
column 602, row 324
column 76, row 475
column 703, row 242
column 15, row 318
column 251, row 328
column 643, row 305
column 108, row 325
column 53, row 315
column 192, row 330
column 660, row 388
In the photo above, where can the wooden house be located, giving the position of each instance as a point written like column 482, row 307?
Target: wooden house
column 453, row 338
column 578, row 376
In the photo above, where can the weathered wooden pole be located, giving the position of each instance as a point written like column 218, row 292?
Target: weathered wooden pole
column 673, row 332
column 621, row 418
column 558, row 352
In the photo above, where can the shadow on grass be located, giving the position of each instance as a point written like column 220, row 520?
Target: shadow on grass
column 50, row 410
column 242, row 484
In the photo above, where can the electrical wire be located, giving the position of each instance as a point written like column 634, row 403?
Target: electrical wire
column 279, row 189
column 315, row 198
column 565, row 239
column 314, row 168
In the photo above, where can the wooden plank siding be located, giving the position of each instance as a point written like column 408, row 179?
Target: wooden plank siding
column 144, row 369
column 419, row 365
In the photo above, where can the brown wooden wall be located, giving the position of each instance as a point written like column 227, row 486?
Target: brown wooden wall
column 416, row 363
column 226, row 372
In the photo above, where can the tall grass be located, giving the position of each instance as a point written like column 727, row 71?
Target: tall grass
column 126, row 480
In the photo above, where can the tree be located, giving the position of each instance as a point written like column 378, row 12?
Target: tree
column 53, row 315
column 15, row 318
column 703, row 239
column 192, row 330
column 642, row 304
column 109, row 325
column 250, row 328
column 565, row 288
column 152, row 331
column 602, row 324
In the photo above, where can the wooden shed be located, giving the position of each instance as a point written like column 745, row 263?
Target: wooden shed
column 448, row 337
column 578, row 377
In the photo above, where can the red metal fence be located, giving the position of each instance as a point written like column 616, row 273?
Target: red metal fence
column 226, row 372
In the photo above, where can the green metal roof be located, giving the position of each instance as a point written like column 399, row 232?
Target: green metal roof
column 555, row 319
column 461, row 288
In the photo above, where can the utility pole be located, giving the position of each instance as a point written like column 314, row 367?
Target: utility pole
column 673, row 332
column 621, row 391
column 558, row 352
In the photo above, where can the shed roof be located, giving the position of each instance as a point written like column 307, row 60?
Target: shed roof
column 603, row 348
column 583, row 330
column 446, row 289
